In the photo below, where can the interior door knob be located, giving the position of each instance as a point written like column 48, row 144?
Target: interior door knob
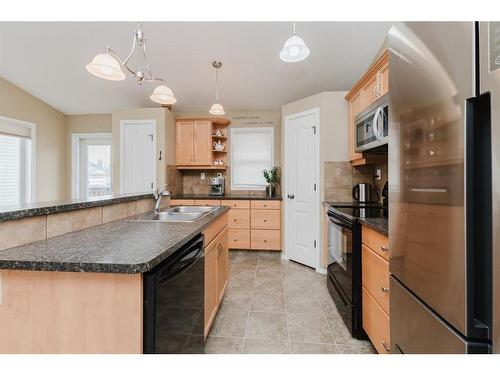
column 290, row 196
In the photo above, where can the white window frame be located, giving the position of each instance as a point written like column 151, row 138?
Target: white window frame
column 251, row 130
column 75, row 158
column 32, row 129
column 123, row 123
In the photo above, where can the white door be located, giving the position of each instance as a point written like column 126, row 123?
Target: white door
column 301, row 189
column 138, row 162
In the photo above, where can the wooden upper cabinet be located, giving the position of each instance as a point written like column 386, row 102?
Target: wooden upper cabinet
column 384, row 79
column 202, row 143
column 184, row 143
column 354, row 109
column 367, row 90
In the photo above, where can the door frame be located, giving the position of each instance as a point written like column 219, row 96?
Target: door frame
column 75, row 158
column 317, row 203
column 122, row 151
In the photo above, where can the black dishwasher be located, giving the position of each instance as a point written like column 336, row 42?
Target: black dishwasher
column 174, row 302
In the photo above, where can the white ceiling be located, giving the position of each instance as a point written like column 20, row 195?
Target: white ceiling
column 48, row 60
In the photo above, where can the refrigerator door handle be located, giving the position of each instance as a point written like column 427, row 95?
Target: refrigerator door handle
column 478, row 182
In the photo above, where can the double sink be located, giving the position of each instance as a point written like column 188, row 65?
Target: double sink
column 178, row 214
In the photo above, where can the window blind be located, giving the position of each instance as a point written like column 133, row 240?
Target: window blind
column 252, row 151
column 10, row 170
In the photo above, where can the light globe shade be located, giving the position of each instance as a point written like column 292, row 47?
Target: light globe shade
column 107, row 67
column 163, row 95
column 294, row 50
column 217, row 110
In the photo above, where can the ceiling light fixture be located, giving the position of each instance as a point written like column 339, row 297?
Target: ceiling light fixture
column 109, row 65
column 294, row 49
column 217, row 109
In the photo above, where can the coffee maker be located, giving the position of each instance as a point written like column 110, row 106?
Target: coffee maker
column 217, row 185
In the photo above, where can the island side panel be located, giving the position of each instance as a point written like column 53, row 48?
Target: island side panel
column 70, row 312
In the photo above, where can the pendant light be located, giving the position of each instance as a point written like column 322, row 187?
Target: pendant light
column 294, row 49
column 109, row 66
column 217, row 109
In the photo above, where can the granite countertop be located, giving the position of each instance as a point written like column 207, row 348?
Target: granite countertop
column 52, row 207
column 122, row 246
column 380, row 225
column 226, row 197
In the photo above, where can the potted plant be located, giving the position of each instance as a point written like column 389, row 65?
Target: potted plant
column 272, row 177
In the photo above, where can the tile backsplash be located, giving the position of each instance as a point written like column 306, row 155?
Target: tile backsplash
column 341, row 176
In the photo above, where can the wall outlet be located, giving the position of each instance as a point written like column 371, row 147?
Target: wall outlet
column 202, row 176
column 378, row 174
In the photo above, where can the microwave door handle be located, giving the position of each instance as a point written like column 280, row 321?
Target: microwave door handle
column 375, row 123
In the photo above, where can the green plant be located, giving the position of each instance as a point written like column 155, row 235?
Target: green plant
column 272, row 175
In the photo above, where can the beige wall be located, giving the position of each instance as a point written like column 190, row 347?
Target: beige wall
column 165, row 127
column 333, row 132
column 51, row 157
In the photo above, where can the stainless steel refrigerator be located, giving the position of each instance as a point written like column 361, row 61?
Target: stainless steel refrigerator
column 444, row 187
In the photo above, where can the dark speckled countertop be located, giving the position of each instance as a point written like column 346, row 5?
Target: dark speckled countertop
column 122, row 246
column 52, row 207
column 226, row 197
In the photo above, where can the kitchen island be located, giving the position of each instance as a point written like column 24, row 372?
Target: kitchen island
column 82, row 291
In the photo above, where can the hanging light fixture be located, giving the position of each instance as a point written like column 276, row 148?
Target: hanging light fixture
column 217, row 109
column 109, row 66
column 294, row 49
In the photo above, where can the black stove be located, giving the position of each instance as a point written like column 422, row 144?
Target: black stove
column 344, row 268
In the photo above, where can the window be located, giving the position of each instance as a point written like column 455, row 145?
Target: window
column 91, row 165
column 252, row 151
column 16, row 179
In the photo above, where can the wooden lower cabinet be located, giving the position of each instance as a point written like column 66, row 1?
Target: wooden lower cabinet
column 207, row 202
column 239, row 238
column 264, row 239
column 375, row 291
column 211, row 298
column 376, row 324
column 216, row 268
column 181, row 202
column 239, row 218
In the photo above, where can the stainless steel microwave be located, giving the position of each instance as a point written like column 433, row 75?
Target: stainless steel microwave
column 372, row 125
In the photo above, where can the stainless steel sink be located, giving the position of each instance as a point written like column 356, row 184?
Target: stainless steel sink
column 178, row 214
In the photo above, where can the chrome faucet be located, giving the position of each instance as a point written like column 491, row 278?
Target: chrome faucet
column 158, row 194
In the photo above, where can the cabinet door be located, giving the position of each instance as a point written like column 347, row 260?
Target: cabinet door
column 222, row 263
column 202, row 143
column 370, row 91
column 211, row 297
column 384, row 80
column 184, row 143
column 354, row 109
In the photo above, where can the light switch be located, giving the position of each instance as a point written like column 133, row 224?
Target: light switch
column 202, row 175
column 378, row 174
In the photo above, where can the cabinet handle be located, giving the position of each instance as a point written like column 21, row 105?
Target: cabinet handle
column 265, row 241
column 265, row 220
column 387, row 349
column 384, row 289
column 235, row 220
column 384, row 248
column 265, row 205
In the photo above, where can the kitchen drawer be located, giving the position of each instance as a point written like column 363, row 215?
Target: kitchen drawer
column 236, row 204
column 215, row 228
column 181, row 202
column 375, row 241
column 375, row 277
column 261, row 239
column 265, row 205
column 207, row 202
column 239, row 238
column 239, row 219
column 376, row 323
column 265, row 219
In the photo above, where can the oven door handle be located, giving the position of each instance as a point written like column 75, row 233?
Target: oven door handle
column 336, row 221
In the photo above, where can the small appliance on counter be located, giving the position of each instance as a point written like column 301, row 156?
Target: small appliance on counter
column 365, row 193
column 385, row 202
column 217, row 185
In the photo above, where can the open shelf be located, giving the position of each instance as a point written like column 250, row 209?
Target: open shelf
column 223, row 151
column 203, row 167
column 222, row 138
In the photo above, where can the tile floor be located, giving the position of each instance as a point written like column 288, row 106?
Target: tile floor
column 276, row 306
